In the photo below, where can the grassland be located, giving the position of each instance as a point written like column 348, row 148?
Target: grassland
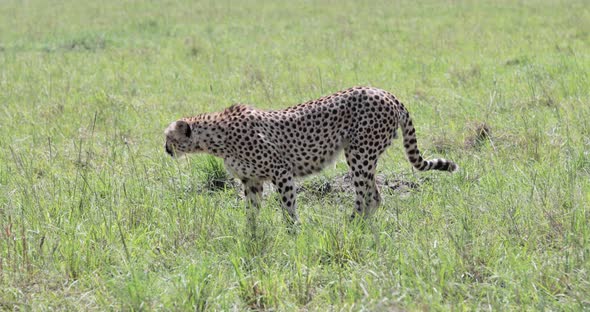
column 95, row 216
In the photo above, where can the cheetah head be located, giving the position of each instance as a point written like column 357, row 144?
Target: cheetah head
column 178, row 138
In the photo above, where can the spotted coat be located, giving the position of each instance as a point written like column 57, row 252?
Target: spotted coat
column 259, row 145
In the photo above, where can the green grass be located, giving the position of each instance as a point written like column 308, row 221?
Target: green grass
column 95, row 216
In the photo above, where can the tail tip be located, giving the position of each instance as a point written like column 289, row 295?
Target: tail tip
column 453, row 167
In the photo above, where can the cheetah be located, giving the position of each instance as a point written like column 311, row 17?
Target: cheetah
column 279, row 145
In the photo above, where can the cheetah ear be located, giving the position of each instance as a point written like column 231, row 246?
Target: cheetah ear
column 184, row 128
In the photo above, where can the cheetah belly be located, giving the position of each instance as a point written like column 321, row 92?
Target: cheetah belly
column 314, row 158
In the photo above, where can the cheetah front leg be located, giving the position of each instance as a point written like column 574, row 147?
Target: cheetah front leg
column 283, row 181
column 253, row 193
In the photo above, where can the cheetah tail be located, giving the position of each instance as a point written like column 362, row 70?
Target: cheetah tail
column 413, row 154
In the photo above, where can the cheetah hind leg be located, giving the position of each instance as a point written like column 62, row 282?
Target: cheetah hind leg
column 363, row 177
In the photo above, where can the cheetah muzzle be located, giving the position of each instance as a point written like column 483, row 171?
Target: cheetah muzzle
column 259, row 146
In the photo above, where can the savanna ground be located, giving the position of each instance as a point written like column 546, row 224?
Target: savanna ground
column 95, row 216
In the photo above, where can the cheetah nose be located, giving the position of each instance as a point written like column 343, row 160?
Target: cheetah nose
column 169, row 151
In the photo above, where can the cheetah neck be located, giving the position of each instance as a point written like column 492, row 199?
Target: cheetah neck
column 209, row 134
